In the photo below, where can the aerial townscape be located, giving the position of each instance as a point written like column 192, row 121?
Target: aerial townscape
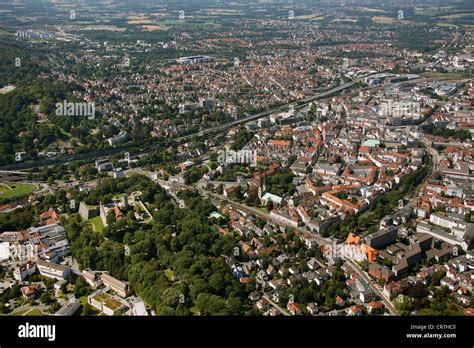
column 237, row 158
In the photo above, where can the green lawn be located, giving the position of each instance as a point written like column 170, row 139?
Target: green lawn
column 97, row 224
column 9, row 190
column 34, row 312
column 194, row 310
column 28, row 312
column 83, row 300
column 18, row 313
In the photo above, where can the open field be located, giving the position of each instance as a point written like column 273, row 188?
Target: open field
column 447, row 25
column 388, row 20
column 311, row 17
column 10, row 190
column 432, row 10
column 458, row 15
column 342, row 20
column 450, row 75
column 140, row 21
column 218, row 11
column 97, row 224
column 35, row 312
column 17, row 314
column 154, row 27
column 104, row 27
column 194, row 310
column 368, row 9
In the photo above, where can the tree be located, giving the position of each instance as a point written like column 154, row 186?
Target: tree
column 209, row 304
column 216, row 283
column 172, row 296
column 81, row 288
column 110, row 218
column 198, row 286
column 181, row 241
column 88, row 310
column 235, row 305
column 270, row 206
column 54, row 307
column 436, row 278
column 64, row 288
column 46, row 299
column 404, row 305
column 15, row 291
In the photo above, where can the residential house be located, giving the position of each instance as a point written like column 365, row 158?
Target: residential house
column 356, row 310
column 50, row 217
column 375, row 307
column 451, row 284
column 263, row 304
column 294, row 308
column 29, row 291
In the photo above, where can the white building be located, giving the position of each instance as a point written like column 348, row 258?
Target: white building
column 4, row 251
column 24, row 270
column 52, row 270
column 285, row 218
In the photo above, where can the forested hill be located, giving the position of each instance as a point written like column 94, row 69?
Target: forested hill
column 176, row 262
column 22, row 128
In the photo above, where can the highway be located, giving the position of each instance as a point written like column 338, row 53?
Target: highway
column 91, row 157
column 268, row 112
column 299, row 103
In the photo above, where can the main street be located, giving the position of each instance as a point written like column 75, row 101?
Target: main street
column 434, row 154
column 433, row 168
column 221, row 198
column 319, row 240
column 218, row 198
column 373, row 286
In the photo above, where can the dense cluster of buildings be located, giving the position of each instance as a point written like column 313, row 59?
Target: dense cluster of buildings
column 344, row 155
